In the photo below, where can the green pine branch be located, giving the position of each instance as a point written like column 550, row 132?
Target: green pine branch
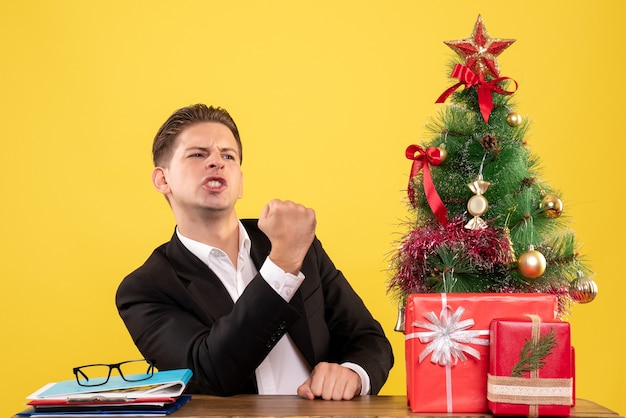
column 454, row 266
column 533, row 354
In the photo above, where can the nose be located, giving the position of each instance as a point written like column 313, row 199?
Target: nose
column 214, row 160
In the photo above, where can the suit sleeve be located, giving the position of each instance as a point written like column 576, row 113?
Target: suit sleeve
column 167, row 323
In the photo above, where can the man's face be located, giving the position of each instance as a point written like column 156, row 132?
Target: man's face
column 204, row 171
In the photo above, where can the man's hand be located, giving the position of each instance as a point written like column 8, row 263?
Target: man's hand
column 291, row 229
column 330, row 381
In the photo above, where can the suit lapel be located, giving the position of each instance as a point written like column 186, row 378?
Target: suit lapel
column 200, row 280
column 261, row 245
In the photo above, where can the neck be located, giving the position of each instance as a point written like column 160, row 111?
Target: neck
column 214, row 230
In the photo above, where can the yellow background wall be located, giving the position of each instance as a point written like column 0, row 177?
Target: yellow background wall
column 327, row 95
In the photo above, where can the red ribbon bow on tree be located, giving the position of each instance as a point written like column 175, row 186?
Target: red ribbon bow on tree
column 424, row 159
column 467, row 77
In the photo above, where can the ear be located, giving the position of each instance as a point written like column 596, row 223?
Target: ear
column 159, row 180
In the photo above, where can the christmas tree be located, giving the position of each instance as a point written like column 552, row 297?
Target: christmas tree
column 484, row 219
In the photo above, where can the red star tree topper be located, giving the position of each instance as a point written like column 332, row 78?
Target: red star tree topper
column 480, row 51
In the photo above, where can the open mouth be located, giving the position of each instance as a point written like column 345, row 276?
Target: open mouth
column 215, row 183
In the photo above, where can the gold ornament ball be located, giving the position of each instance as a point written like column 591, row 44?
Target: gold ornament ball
column 477, row 205
column 531, row 264
column 552, row 206
column 443, row 154
column 514, row 119
column 583, row 289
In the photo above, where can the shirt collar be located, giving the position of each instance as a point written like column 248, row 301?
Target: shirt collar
column 202, row 250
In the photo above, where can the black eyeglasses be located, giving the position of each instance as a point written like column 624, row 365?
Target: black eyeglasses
column 99, row 374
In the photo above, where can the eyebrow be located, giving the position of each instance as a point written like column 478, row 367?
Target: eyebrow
column 207, row 150
column 229, row 149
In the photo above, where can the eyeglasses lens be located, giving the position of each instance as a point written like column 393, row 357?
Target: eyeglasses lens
column 136, row 370
column 94, row 375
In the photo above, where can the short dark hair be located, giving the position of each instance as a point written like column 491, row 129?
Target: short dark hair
column 183, row 118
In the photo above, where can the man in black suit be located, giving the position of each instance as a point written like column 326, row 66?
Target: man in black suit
column 250, row 306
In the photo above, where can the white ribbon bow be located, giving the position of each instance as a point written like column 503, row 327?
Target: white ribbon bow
column 448, row 337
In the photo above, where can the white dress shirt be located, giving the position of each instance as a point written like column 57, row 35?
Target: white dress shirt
column 284, row 369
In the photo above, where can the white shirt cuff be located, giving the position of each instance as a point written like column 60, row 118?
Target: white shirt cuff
column 365, row 379
column 285, row 284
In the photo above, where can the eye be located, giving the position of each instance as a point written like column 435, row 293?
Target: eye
column 196, row 155
column 228, row 157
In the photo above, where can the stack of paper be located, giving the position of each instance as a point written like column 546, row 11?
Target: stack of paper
column 160, row 395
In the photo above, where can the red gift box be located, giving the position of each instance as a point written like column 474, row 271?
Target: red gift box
column 517, row 386
column 446, row 341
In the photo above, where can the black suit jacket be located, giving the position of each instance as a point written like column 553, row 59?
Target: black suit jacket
column 179, row 314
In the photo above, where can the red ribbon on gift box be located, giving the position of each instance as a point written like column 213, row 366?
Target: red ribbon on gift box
column 424, row 159
column 485, row 88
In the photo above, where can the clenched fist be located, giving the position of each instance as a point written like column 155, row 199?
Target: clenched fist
column 291, row 229
column 331, row 381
